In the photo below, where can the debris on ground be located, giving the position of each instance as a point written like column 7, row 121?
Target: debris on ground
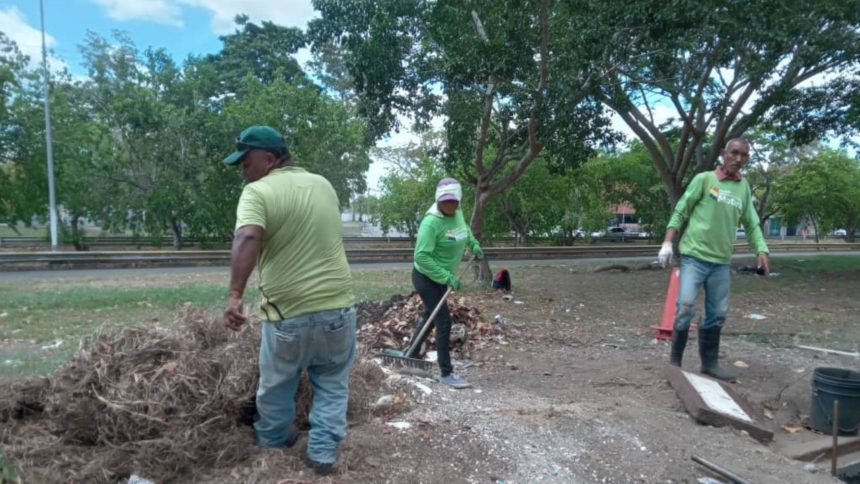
column 400, row 425
column 613, row 267
column 393, row 327
column 163, row 403
column 829, row 350
column 652, row 266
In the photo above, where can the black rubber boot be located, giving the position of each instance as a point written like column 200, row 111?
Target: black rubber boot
column 709, row 352
column 679, row 342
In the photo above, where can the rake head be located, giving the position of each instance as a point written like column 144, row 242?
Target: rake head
column 391, row 358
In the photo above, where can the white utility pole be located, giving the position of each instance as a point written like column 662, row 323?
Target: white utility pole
column 52, row 200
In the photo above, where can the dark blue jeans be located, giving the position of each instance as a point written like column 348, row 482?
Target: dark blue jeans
column 431, row 293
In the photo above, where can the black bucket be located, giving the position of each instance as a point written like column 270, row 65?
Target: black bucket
column 829, row 384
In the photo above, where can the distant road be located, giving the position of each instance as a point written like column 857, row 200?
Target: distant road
column 124, row 273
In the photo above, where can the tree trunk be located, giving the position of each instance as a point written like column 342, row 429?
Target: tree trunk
column 762, row 206
column 815, row 227
column 176, row 228
column 674, row 191
column 77, row 239
column 484, row 273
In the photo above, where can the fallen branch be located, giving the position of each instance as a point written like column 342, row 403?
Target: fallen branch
column 614, row 267
column 119, row 407
column 827, row 350
column 761, row 333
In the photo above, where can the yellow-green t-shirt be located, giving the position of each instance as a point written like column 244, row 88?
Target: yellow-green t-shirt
column 302, row 264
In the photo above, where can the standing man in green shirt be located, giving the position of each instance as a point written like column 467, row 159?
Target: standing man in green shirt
column 713, row 204
column 288, row 224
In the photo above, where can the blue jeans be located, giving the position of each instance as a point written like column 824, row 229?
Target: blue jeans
column 323, row 343
column 716, row 278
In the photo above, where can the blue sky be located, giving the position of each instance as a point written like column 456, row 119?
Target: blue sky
column 182, row 27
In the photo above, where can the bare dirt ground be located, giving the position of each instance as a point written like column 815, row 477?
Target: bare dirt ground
column 575, row 391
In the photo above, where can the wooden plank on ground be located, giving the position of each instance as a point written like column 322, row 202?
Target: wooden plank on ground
column 815, row 449
column 713, row 402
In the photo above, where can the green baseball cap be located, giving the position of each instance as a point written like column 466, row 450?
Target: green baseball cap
column 256, row 137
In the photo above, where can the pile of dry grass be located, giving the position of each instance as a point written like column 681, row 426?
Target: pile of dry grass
column 160, row 403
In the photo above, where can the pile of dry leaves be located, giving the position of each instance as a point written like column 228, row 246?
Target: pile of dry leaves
column 393, row 326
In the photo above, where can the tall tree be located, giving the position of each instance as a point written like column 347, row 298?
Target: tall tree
column 263, row 51
column 719, row 68
column 535, row 204
column 502, row 74
column 80, row 143
column 323, row 135
column 825, row 189
column 142, row 100
column 771, row 158
column 12, row 66
column 14, row 206
column 408, row 189
column 629, row 177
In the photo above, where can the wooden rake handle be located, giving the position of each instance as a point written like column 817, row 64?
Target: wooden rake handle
column 424, row 329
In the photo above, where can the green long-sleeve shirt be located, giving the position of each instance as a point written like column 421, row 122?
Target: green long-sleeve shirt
column 440, row 244
column 713, row 208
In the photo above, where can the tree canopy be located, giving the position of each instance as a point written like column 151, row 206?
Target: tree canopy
column 138, row 141
column 719, row 69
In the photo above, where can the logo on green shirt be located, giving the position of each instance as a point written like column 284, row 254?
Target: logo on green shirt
column 725, row 196
column 454, row 235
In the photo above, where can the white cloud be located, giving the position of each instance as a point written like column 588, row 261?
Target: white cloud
column 29, row 39
column 292, row 13
column 159, row 11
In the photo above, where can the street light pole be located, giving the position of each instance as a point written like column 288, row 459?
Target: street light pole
column 52, row 200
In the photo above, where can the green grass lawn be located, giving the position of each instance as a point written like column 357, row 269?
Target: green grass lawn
column 34, row 318
column 7, row 231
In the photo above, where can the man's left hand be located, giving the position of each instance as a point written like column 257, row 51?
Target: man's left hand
column 478, row 253
column 233, row 317
column 763, row 263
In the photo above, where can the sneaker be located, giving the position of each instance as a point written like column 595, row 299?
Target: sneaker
column 454, row 381
column 320, row 468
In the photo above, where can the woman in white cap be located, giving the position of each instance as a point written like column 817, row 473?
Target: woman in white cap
column 442, row 238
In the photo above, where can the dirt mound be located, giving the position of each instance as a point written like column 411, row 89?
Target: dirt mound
column 391, row 325
column 161, row 403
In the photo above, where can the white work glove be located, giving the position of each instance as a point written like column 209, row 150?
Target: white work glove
column 664, row 257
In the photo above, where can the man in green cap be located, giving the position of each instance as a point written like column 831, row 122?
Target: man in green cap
column 288, row 223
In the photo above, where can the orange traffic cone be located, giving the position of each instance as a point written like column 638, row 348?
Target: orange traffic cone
column 664, row 329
